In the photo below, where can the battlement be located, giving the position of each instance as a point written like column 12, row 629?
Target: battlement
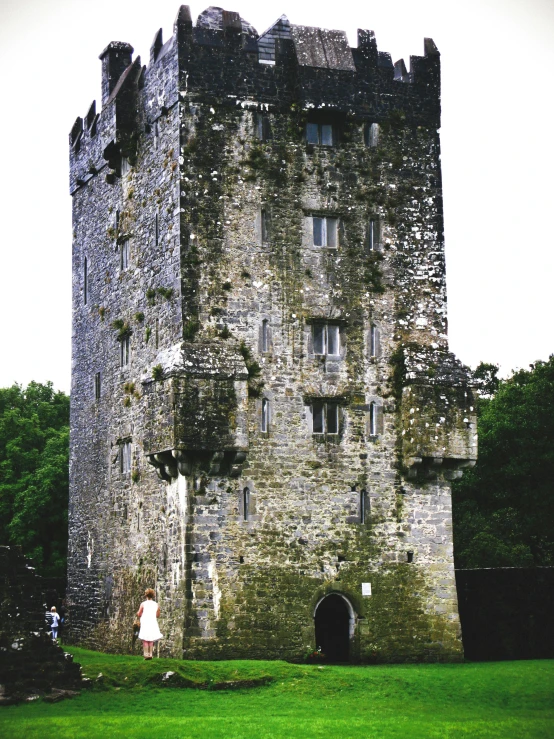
column 223, row 55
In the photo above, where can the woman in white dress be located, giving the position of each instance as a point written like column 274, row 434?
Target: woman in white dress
column 149, row 630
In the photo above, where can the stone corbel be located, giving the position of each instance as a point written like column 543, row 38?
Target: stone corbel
column 430, row 468
column 169, row 464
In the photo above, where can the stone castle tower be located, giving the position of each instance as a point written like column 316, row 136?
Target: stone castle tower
column 265, row 415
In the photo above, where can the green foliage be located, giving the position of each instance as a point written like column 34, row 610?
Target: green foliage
column 373, row 276
column 151, row 295
column 486, row 378
column 255, row 385
column 190, row 329
column 139, row 317
column 503, row 508
column 122, row 327
column 158, row 372
column 34, row 451
column 165, row 292
column 282, row 701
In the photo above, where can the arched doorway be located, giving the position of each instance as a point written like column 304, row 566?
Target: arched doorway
column 334, row 625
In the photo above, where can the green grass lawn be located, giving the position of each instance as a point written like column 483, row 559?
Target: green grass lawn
column 491, row 699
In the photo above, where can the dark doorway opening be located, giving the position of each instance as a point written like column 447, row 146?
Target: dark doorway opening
column 332, row 628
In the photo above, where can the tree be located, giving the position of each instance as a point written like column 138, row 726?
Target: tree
column 34, row 456
column 503, row 508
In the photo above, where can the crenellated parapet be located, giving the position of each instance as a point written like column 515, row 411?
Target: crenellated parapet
column 223, row 55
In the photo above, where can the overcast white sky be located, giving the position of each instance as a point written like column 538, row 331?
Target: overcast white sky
column 497, row 152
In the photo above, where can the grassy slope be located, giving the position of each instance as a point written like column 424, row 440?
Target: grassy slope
column 502, row 699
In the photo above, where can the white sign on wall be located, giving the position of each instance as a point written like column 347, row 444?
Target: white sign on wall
column 366, row 588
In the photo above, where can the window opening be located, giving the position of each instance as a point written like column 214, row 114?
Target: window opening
column 373, row 234
column 372, row 419
column 326, row 339
column 372, row 134
column 157, row 333
column 157, row 229
column 325, row 231
column 125, row 457
column 319, row 133
column 364, row 506
column 263, row 128
column 265, row 415
column 265, row 335
column 125, row 345
column 85, row 282
column 325, row 417
column 410, row 557
column 124, row 254
column 265, row 226
column 97, row 386
column 245, row 503
column 374, row 341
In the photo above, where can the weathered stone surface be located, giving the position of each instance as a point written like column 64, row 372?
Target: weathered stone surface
column 222, row 333
column 31, row 664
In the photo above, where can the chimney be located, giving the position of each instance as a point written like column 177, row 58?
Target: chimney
column 115, row 58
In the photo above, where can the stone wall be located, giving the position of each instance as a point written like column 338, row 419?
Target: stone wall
column 196, row 218
column 30, row 663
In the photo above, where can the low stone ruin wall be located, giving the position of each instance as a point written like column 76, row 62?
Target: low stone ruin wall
column 30, row 662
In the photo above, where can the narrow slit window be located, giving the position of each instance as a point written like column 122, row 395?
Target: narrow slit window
column 265, row 415
column 157, row 229
column 372, row 419
column 374, row 341
column 409, row 557
column 373, row 234
column 124, row 254
column 245, row 503
column 125, row 350
column 125, row 457
column 372, row 135
column 85, row 281
column 97, row 386
column 364, row 506
column 157, row 333
column 263, row 128
column 265, row 226
column 324, row 231
column 265, row 335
